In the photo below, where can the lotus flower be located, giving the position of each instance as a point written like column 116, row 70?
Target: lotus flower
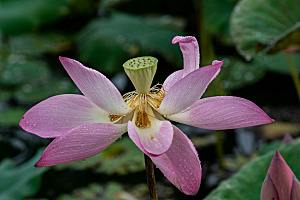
column 280, row 182
column 84, row 125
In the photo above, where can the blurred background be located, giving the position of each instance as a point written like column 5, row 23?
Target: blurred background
column 258, row 41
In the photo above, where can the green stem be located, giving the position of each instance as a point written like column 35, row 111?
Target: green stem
column 219, row 149
column 150, row 178
column 294, row 73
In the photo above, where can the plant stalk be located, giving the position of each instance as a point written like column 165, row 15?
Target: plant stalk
column 294, row 73
column 150, row 178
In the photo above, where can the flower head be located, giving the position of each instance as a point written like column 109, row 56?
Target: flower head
column 280, row 182
column 83, row 125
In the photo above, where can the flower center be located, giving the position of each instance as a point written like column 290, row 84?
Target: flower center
column 144, row 100
column 143, row 105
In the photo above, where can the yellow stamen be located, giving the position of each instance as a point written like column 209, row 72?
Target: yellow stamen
column 142, row 104
column 115, row 118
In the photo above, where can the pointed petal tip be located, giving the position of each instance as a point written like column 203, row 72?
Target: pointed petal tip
column 218, row 63
column 277, row 157
column 183, row 39
column 40, row 162
column 62, row 58
column 37, row 165
column 21, row 123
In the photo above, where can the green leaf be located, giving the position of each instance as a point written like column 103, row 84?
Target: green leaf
column 216, row 15
column 36, row 44
column 269, row 25
column 109, row 4
column 122, row 157
column 236, row 74
column 11, row 116
column 5, row 94
column 18, row 16
column 246, row 184
column 109, row 42
column 34, row 92
column 18, row 182
column 19, row 70
column 276, row 62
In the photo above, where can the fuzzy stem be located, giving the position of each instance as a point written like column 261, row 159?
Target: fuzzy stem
column 294, row 73
column 150, row 178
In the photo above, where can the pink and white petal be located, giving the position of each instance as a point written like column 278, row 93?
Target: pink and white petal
column 81, row 142
column 222, row 112
column 95, row 86
column 181, row 164
column 154, row 140
column 268, row 190
column 57, row 115
column 190, row 88
column 281, row 175
column 190, row 51
column 172, row 79
column 295, row 193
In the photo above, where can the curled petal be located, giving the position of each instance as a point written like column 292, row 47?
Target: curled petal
column 81, row 142
column 186, row 91
column 180, row 164
column 59, row 114
column 268, row 190
column 190, row 51
column 95, row 86
column 154, row 140
column 222, row 112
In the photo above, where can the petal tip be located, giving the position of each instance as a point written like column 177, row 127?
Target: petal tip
column 22, row 122
column 62, row 58
column 278, row 155
column 183, row 39
column 65, row 60
column 40, row 163
column 218, row 63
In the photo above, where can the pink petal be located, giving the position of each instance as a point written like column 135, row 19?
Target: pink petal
column 154, row 140
column 190, row 51
column 281, row 175
column 295, row 193
column 59, row 114
column 95, row 86
column 172, row 79
column 186, row 91
column 180, row 164
column 268, row 190
column 81, row 142
column 222, row 112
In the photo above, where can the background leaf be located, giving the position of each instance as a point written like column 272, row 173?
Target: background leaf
column 270, row 25
column 109, row 42
column 20, row 181
column 18, row 16
column 11, row 116
column 246, row 184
